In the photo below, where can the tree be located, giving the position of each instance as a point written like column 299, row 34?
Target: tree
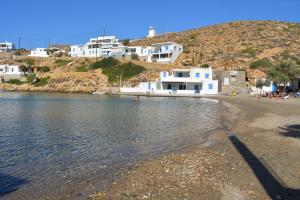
column 260, row 84
column 204, row 65
column 261, row 64
column 25, row 69
column 283, row 73
column 135, row 56
column 126, row 42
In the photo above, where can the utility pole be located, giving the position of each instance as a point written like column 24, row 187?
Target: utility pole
column 49, row 42
column 19, row 40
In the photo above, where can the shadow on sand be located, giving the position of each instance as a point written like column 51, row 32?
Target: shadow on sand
column 291, row 131
column 272, row 184
column 10, row 184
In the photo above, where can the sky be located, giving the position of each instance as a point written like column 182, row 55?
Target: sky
column 40, row 22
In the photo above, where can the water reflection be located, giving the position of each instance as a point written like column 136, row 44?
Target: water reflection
column 59, row 140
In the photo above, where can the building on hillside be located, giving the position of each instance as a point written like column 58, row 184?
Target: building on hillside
column 62, row 47
column 39, row 52
column 143, row 52
column 231, row 81
column 166, row 52
column 151, row 32
column 6, row 46
column 109, row 46
column 193, row 81
column 8, row 72
column 103, row 46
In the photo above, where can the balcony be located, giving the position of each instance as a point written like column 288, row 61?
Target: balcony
column 176, row 79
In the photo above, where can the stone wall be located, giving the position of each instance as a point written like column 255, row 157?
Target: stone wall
column 231, row 81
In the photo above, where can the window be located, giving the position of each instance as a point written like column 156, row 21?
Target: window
column 207, row 75
column 182, row 87
column 164, row 74
column 210, row 86
column 12, row 69
column 197, row 75
column 169, row 86
column 180, row 74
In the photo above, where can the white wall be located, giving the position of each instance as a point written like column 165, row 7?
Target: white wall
column 39, row 52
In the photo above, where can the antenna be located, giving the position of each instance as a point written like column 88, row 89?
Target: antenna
column 19, row 40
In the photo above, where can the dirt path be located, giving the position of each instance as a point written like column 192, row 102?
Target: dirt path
column 254, row 155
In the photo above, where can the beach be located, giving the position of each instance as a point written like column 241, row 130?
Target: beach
column 254, row 154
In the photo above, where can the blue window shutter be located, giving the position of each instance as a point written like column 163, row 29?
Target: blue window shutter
column 210, row 86
column 197, row 75
column 206, row 75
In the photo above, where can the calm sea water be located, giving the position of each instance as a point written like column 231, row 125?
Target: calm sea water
column 52, row 145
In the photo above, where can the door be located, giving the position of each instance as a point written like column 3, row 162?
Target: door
column 196, row 88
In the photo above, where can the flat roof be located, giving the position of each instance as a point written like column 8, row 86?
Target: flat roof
column 181, row 70
column 161, row 43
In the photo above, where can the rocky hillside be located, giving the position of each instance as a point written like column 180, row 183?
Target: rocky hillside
column 234, row 45
column 230, row 46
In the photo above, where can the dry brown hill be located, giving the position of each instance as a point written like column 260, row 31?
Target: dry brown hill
column 233, row 45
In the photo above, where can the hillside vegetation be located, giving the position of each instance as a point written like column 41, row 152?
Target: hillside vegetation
column 253, row 46
column 234, row 45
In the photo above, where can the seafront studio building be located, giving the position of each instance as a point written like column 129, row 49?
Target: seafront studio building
column 193, row 81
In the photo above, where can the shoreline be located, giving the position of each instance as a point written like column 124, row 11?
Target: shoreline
column 223, row 170
column 216, row 164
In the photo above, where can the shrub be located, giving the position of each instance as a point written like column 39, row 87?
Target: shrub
column 31, row 77
column 41, row 82
column 249, row 50
column 113, row 69
column 204, row 66
column 29, row 61
column 135, row 57
column 15, row 81
column 61, row 62
column 126, row 42
column 105, row 63
column 43, row 69
column 18, row 53
column 127, row 71
column 82, row 68
column 261, row 63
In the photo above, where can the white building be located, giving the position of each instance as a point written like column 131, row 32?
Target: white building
column 166, row 52
column 39, row 52
column 194, row 81
column 109, row 46
column 99, row 47
column 143, row 52
column 151, row 32
column 6, row 46
column 8, row 72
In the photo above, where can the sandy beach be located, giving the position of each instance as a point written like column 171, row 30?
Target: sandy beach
column 254, row 154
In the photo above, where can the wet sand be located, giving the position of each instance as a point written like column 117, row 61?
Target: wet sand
column 254, row 154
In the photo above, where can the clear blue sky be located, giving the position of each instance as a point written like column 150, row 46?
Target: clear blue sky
column 75, row 21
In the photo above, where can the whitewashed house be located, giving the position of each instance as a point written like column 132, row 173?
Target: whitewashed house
column 165, row 53
column 8, row 72
column 143, row 52
column 194, row 81
column 39, row 52
column 6, row 46
column 110, row 46
column 103, row 46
